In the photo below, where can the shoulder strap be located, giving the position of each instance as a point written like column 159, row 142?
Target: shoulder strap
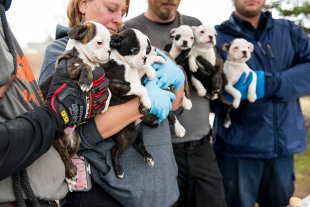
column 9, row 42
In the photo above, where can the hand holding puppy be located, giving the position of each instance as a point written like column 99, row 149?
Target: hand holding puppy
column 71, row 104
column 243, row 84
column 168, row 74
column 160, row 100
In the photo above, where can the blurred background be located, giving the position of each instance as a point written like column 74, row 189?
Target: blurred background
column 34, row 21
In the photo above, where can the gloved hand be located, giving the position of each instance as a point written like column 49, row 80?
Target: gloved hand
column 168, row 74
column 260, row 84
column 74, row 106
column 160, row 100
column 243, row 86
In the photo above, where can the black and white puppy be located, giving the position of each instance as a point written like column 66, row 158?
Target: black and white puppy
column 88, row 46
column 204, row 48
column 129, row 54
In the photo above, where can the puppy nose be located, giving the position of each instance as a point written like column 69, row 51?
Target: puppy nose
column 184, row 43
column 109, row 51
column 211, row 37
column 244, row 52
column 144, row 59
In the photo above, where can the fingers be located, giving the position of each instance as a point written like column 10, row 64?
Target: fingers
column 161, row 53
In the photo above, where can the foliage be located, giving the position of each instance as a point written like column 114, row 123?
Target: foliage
column 295, row 10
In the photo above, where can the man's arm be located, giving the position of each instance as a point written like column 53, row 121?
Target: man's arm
column 26, row 138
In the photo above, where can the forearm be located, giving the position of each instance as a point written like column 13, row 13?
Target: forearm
column 25, row 139
column 179, row 98
column 117, row 118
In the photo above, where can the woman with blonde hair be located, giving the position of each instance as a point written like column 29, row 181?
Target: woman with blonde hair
column 141, row 185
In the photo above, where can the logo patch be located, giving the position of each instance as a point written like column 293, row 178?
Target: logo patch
column 65, row 116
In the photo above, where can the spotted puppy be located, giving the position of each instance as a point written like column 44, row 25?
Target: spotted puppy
column 130, row 61
column 88, row 46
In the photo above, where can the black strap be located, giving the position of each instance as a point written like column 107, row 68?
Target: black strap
column 7, row 36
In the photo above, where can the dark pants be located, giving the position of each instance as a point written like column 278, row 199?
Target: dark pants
column 95, row 197
column 269, row 182
column 199, row 178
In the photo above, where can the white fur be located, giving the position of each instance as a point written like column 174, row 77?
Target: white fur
column 205, row 40
column 136, row 67
column 239, row 51
column 184, row 42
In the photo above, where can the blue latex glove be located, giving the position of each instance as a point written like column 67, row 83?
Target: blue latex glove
column 160, row 100
column 260, row 84
column 168, row 74
column 242, row 86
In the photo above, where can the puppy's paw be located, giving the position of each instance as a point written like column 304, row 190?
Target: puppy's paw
column 227, row 124
column 236, row 103
column 120, row 175
column 149, row 161
column 86, row 87
column 193, row 67
column 160, row 59
column 151, row 73
column 187, row 103
column 201, row 92
column 71, row 181
column 146, row 102
column 252, row 97
column 179, row 129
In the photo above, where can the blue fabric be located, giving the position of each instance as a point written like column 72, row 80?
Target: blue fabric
column 269, row 181
column 273, row 125
column 168, row 74
column 260, row 84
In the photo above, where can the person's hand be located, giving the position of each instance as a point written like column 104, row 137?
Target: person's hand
column 168, row 74
column 71, row 104
column 160, row 100
column 242, row 86
column 260, row 84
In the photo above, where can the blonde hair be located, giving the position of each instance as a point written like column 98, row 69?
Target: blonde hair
column 75, row 16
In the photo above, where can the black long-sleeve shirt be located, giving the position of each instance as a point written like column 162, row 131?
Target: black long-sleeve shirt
column 26, row 138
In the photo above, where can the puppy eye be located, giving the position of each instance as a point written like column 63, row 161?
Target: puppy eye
column 148, row 49
column 134, row 50
column 235, row 48
column 192, row 38
column 99, row 43
column 202, row 32
column 177, row 37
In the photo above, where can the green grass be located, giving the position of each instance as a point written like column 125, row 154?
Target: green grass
column 302, row 160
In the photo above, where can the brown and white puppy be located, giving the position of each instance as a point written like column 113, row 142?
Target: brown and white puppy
column 239, row 51
column 88, row 45
column 130, row 61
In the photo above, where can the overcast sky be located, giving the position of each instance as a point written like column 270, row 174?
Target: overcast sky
column 35, row 20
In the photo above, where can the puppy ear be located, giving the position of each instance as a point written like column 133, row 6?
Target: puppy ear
column 226, row 47
column 194, row 28
column 78, row 32
column 172, row 33
column 251, row 47
column 116, row 40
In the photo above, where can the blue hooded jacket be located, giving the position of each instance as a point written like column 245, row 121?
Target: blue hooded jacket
column 274, row 125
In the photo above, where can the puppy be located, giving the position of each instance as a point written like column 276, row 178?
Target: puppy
column 203, row 47
column 130, row 61
column 239, row 51
column 88, row 46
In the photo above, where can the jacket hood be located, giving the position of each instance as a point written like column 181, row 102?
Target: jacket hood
column 61, row 31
